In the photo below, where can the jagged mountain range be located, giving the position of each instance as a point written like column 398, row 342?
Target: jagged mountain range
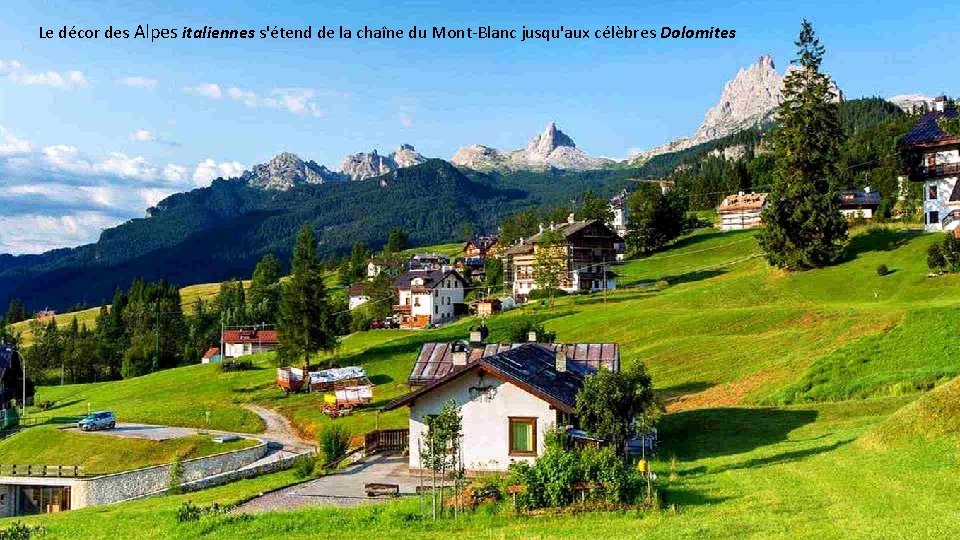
column 551, row 148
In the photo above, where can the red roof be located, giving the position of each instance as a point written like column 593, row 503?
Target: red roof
column 268, row 337
column 211, row 352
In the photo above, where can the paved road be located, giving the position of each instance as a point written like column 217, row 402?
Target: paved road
column 341, row 489
column 277, row 430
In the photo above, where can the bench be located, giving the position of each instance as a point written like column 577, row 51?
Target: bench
column 379, row 490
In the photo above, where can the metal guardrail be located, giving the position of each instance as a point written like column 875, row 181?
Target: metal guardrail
column 42, row 471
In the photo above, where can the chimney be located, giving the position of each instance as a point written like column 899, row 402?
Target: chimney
column 561, row 358
column 940, row 103
column 476, row 337
column 572, row 218
column 459, row 355
column 532, row 336
column 553, row 226
column 866, row 189
column 541, row 227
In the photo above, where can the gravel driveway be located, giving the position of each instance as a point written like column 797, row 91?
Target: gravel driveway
column 344, row 488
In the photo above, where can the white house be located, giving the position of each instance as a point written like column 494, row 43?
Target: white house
column 248, row 341
column 741, row 211
column 429, row 297
column 507, row 402
column 358, row 296
column 933, row 158
column 859, row 203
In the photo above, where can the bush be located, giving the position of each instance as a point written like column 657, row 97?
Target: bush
column 544, row 294
column 935, row 259
column 334, row 442
column 190, row 512
column 237, row 365
column 176, row 478
column 882, row 270
column 44, row 405
column 304, row 466
column 19, row 531
column 549, row 481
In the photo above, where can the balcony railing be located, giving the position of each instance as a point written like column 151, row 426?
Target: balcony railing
column 937, row 171
column 949, row 218
column 402, row 308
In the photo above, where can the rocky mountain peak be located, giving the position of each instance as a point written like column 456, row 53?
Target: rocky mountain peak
column 365, row 165
column 549, row 140
column 549, row 148
column 287, row 170
column 749, row 99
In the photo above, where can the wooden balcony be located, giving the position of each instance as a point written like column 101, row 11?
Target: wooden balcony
column 403, row 309
column 936, row 171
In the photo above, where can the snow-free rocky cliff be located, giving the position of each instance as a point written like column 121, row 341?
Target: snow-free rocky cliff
column 748, row 100
column 287, row 170
column 367, row 165
column 551, row 148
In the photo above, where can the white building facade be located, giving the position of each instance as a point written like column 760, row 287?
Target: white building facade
column 430, row 296
column 933, row 158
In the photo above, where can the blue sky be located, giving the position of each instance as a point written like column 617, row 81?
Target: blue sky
column 94, row 131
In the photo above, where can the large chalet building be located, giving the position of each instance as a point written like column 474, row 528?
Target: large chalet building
column 933, row 158
column 429, row 297
column 585, row 251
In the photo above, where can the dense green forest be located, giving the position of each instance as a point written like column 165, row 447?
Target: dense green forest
column 215, row 233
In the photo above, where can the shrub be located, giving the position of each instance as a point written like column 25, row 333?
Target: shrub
column 237, row 365
column 44, row 405
column 19, row 531
column 549, row 481
column 545, row 294
column 176, row 478
column 304, row 466
column 935, row 259
column 334, row 442
column 190, row 512
column 882, row 270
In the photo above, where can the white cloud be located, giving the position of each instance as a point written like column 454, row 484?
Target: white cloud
column 17, row 73
column 11, row 145
column 208, row 90
column 139, row 82
column 405, row 119
column 152, row 196
column 143, row 135
column 65, row 158
column 33, row 233
column 209, row 170
column 175, row 174
column 299, row 101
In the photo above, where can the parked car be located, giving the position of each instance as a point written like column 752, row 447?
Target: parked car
column 98, row 420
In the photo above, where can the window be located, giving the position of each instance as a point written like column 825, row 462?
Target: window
column 934, row 217
column 932, row 192
column 436, row 310
column 523, row 436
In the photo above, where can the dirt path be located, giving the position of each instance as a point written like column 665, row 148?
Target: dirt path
column 278, row 428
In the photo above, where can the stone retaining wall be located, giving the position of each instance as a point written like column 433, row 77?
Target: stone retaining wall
column 148, row 481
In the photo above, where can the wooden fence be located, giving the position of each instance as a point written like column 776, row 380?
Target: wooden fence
column 386, row 440
column 54, row 471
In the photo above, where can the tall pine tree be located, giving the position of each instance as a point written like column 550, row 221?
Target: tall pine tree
column 803, row 224
column 307, row 323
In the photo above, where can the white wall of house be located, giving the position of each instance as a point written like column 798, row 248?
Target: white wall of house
column 936, row 193
column 436, row 303
column 233, row 350
column 735, row 220
column 357, row 301
column 857, row 213
column 486, row 420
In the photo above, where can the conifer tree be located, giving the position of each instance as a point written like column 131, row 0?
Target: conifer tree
column 307, row 322
column 803, row 224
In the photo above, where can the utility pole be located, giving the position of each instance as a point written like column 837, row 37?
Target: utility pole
column 156, row 354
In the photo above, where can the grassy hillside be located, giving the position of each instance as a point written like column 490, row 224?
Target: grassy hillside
column 933, row 417
column 47, row 445
column 784, row 392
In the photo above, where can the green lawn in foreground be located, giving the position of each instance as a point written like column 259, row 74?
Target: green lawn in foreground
column 100, row 453
column 765, row 473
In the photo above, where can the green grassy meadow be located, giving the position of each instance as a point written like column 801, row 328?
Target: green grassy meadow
column 100, row 453
column 812, row 404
